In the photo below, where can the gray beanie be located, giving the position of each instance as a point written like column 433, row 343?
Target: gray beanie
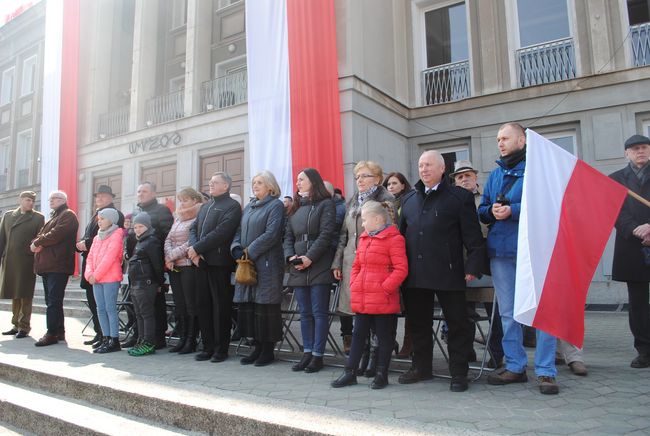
column 143, row 218
column 110, row 214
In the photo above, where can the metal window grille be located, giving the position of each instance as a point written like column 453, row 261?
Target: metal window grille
column 445, row 83
column 165, row 107
column 225, row 91
column 546, row 63
column 113, row 123
column 640, row 35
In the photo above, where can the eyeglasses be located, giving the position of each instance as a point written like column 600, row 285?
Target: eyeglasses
column 363, row 176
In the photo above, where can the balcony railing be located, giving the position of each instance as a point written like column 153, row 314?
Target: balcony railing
column 446, row 83
column 546, row 63
column 641, row 44
column 165, row 108
column 224, row 91
column 113, row 123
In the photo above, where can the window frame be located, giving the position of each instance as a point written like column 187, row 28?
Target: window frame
column 564, row 133
column 174, row 15
column 29, row 157
column 34, row 59
column 2, row 85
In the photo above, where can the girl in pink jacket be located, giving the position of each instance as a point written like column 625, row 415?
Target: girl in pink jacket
column 104, row 272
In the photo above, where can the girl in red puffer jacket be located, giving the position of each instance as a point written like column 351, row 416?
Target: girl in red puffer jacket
column 379, row 268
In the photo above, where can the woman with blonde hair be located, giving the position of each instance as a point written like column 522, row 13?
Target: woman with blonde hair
column 260, row 237
column 181, row 270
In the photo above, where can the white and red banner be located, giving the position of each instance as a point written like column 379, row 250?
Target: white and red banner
column 293, row 96
column 568, row 210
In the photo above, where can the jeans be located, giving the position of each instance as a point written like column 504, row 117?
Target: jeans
column 54, row 288
column 313, row 303
column 106, row 299
column 503, row 276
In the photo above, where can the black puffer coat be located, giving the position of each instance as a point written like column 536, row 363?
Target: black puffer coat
column 146, row 264
column 311, row 232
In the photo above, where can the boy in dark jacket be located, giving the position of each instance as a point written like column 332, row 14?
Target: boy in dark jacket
column 146, row 276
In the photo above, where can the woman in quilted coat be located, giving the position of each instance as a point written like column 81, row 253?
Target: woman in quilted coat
column 104, row 272
column 379, row 269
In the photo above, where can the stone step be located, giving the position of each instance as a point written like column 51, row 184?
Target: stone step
column 40, row 307
column 35, row 410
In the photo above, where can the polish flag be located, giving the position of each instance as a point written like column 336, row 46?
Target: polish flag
column 568, row 210
column 294, row 119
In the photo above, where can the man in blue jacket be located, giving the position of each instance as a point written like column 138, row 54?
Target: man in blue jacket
column 500, row 210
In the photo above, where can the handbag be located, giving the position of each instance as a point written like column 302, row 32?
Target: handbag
column 245, row 273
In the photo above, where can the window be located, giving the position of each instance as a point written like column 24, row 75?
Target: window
column 646, row 128
column 23, row 157
column 638, row 11
column 6, row 92
column 179, row 13
column 451, row 155
column 540, row 22
column 4, row 164
column 177, row 83
column 446, row 35
column 566, row 140
column 225, row 3
column 29, row 76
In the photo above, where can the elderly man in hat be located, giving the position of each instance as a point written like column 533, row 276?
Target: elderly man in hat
column 103, row 200
column 17, row 230
column 466, row 176
column 632, row 246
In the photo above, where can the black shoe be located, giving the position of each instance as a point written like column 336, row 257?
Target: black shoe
column 641, row 361
column 218, row 357
column 251, row 358
column 348, row 378
column 112, row 345
column 266, row 357
column 94, row 340
column 304, row 361
column 160, row 344
column 315, row 365
column 414, row 375
column 189, row 347
column 203, row 355
column 130, row 343
column 21, row 334
column 11, row 332
column 458, row 384
column 179, row 346
column 97, row 345
column 381, row 379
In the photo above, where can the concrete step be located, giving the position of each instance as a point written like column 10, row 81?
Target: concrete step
column 35, row 410
column 40, row 307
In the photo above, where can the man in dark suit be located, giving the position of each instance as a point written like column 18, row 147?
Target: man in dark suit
column 439, row 220
column 103, row 199
column 632, row 247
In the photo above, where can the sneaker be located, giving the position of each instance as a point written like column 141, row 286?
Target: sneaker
column 547, row 385
column 143, row 349
column 506, row 377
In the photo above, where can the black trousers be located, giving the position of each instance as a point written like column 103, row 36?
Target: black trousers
column 346, row 325
column 639, row 315
column 384, row 326
column 160, row 317
column 495, row 347
column 143, row 301
column 215, row 294
column 419, row 307
column 183, row 284
column 54, row 288
column 90, row 297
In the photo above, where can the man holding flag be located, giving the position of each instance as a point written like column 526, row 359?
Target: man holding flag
column 500, row 209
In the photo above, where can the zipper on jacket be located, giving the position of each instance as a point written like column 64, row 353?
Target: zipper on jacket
column 207, row 214
column 308, row 225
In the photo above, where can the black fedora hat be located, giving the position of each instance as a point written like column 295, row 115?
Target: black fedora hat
column 104, row 189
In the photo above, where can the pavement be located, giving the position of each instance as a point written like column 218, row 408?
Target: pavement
column 613, row 399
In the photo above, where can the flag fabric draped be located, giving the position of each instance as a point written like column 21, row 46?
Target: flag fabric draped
column 293, row 99
column 568, row 210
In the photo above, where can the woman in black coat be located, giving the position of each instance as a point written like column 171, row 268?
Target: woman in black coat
column 260, row 235
column 309, row 249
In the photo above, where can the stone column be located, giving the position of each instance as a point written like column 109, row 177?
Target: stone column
column 198, row 58
column 145, row 49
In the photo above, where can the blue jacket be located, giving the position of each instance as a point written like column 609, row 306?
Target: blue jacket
column 502, row 235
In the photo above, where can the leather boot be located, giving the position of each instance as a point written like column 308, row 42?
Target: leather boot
column 304, row 361
column 99, row 345
column 363, row 363
column 267, row 356
column 315, row 365
column 251, row 358
column 347, row 344
column 371, row 370
column 405, row 352
column 192, row 334
column 381, row 378
column 182, row 331
column 348, row 378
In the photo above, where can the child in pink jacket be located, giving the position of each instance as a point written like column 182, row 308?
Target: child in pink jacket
column 104, row 272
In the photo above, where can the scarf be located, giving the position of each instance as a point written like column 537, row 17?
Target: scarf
column 104, row 234
column 188, row 213
column 363, row 196
column 511, row 160
column 303, row 194
column 381, row 229
column 640, row 172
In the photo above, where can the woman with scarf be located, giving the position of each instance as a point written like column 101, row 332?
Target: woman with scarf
column 104, row 272
column 181, row 270
column 368, row 176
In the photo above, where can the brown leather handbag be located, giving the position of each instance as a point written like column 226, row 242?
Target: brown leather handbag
column 245, row 273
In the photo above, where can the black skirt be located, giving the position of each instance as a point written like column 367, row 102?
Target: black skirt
column 263, row 322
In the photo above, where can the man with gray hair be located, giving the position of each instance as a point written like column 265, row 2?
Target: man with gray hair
column 54, row 248
column 440, row 224
column 210, row 237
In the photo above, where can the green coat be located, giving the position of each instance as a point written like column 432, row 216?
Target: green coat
column 17, row 231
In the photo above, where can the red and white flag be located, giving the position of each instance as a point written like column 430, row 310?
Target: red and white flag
column 294, row 116
column 568, row 210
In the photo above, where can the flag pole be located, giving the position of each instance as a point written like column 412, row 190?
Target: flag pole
column 638, row 197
